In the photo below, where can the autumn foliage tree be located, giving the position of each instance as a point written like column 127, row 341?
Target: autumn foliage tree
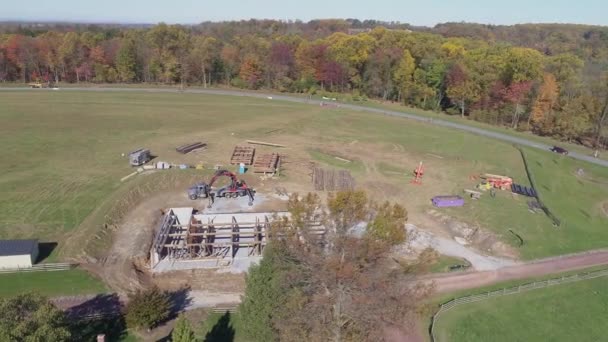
column 440, row 69
column 251, row 72
column 545, row 103
column 338, row 287
column 460, row 89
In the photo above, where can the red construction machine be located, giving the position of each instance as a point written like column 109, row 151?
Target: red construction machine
column 236, row 188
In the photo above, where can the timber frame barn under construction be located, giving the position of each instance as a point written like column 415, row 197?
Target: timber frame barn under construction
column 186, row 239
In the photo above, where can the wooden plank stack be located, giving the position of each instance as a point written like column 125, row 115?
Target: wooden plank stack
column 187, row 148
column 266, row 163
column 332, row 180
column 242, row 154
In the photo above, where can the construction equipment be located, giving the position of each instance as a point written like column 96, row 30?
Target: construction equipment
column 38, row 83
column 484, row 186
column 236, row 188
column 498, row 181
column 139, row 157
column 418, row 173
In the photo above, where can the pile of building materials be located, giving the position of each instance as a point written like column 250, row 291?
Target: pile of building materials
column 332, row 180
column 495, row 181
column 523, row 190
column 254, row 142
column 534, row 206
column 267, row 163
column 184, row 149
column 242, row 154
column 447, row 201
column 474, row 194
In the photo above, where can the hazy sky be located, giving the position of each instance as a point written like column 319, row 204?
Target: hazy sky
column 418, row 12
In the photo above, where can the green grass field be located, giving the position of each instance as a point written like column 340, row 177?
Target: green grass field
column 56, row 283
column 62, row 161
column 569, row 312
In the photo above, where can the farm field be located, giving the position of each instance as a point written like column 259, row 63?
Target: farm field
column 345, row 98
column 64, row 162
column 56, row 283
column 557, row 313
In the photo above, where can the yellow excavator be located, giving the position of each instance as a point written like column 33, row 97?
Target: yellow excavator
column 38, row 84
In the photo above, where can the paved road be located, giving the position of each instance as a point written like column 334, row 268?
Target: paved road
column 447, row 282
column 438, row 122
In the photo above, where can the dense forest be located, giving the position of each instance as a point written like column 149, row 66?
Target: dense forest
column 550, row 79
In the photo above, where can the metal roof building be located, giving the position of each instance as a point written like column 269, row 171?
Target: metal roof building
column 18, row 253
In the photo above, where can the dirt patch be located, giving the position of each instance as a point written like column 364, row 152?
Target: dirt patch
column 479, row 238
column 201, row 280
column 124, row 268
column 604, row 208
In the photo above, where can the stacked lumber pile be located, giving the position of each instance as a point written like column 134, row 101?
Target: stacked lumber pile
column 190, row 147
column 267, row 163
column 242, row 154
column 332, row 180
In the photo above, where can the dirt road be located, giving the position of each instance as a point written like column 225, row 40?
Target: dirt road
column 446, row 283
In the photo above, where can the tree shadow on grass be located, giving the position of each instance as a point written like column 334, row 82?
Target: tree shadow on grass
column 114, row 329
column 222, row 331
column 180, row 301
column 99, row 315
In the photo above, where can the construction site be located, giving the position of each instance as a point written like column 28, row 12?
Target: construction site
column 186, row 239
column 222, row 222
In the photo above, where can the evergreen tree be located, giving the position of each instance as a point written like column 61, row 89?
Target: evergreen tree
column 261, row 297
column 182, row 331
column 146, row 309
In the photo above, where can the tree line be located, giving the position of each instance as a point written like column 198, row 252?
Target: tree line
column 546, row 85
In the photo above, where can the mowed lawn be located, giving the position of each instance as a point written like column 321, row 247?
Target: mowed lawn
column 62, row 158
column 569, row 312
column 56, row 283
column 575, row 199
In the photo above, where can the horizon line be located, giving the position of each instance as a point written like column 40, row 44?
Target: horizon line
column 288, row 20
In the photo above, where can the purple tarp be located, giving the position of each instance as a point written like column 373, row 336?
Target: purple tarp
column 448, row 201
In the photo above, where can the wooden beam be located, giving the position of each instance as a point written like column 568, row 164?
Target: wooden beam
column 254, row 142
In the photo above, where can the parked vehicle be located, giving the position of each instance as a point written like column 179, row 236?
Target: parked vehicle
column 139, row 157
column 559, row 150
column 236, row 188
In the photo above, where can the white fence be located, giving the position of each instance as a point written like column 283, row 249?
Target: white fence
column 40, row 268
column 511, row 290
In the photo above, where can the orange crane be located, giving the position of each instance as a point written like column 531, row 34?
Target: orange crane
column 418, row 173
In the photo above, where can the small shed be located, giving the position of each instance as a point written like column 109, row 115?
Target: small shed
column 18, row 253
column 448, row 201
